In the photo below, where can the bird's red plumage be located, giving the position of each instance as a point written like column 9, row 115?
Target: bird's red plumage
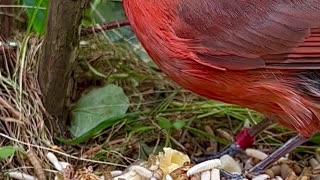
column 264, row 55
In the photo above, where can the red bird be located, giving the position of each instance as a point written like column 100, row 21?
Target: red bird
column 262, row 54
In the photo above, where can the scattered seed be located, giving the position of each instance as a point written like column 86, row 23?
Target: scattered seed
column 55, row 162
column 179, row 172
column 154, row 168
column 285, row 170
column 248, row 165
column 116, row 173
column 316, row 170
column 256, row 154
column 213, row 145
column 261, row 177
column 142, row 171
column 292, row 176
column 255, row 161
column 215, row 174
column 206, row 175
column 196, row 177
column 204, row 166
column 20, row 175
column 128, row 175
column 278, row 178
column 313, row 163
column 246, row 124
column 208, row 129
column 316, row 177
column 168, row 177
column 64, row 164
column 270, row 173
column 229, row 164
column 304, row 178
column 297, row 169
column 276, row 170
column 283, row 159
column 224, row 134
column 158, row 174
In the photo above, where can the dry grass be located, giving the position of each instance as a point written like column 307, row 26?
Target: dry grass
column 22, row 115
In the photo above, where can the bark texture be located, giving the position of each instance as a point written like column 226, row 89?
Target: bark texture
column 59, row 52
column 7, row 16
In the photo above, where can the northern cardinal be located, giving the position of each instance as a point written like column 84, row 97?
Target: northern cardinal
column 260, row 54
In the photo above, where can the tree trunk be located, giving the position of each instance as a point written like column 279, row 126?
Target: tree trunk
column 59, row 51
column 7, row 25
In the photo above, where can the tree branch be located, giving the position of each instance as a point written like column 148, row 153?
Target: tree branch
column 104, row 27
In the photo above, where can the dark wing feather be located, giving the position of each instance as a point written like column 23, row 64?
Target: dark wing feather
column 252, row 34
column 305, row 56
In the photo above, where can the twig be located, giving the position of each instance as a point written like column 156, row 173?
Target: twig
column 104, row 27
column 12, row 110
column 29, row 167
column 4, row 48
column 38, row 170
column 91, row 151
column 84, row 32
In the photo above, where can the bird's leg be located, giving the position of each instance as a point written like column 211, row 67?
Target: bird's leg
column 260, row 167
column 243, row 140
column 283, row 150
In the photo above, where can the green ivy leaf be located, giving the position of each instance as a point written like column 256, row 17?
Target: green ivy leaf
column 7, row 151
column 165, row 123
column 37, row 14
column 97, row 106
column 179, row 124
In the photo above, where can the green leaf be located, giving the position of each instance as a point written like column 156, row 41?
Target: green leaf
column 179, row 124
column 37, row 14
column 7, row 151
column 105, row 124
column 316, row 139
column 97, row 106
column 164, row 123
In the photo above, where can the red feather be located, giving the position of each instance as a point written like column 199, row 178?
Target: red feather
column 264, row 54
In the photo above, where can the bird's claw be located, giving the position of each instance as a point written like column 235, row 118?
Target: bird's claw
column 230, row 176
column 246, row 175
column 230, row 150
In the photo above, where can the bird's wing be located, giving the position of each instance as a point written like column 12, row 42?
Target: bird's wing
column 248, row 34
